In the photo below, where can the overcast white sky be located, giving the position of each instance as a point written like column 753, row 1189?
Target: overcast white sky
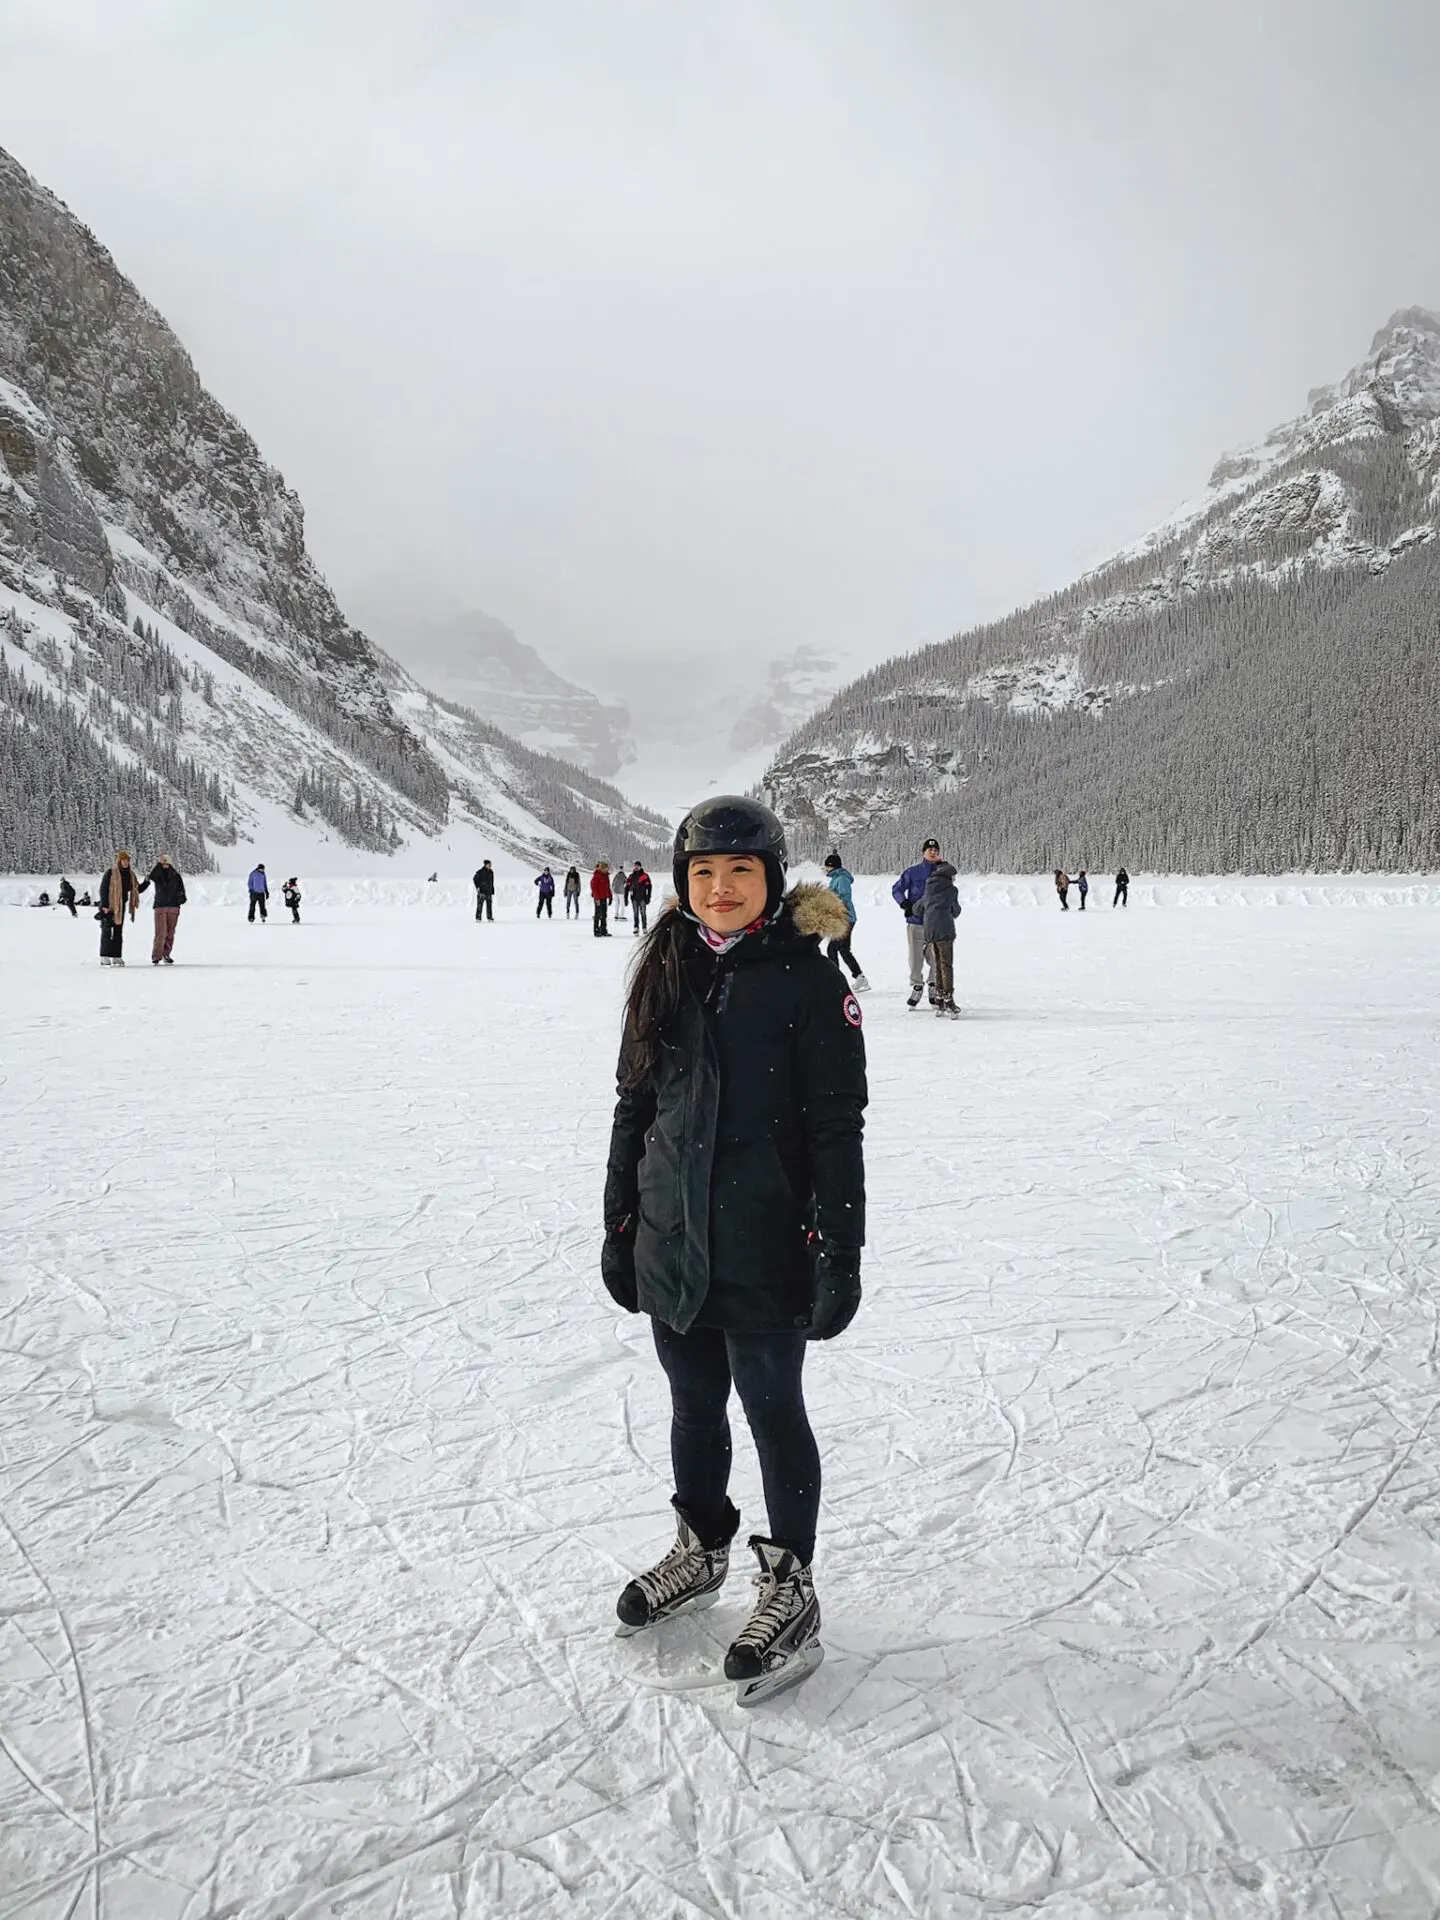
column 655, row 326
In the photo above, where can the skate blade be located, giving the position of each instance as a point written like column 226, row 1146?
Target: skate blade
column 698, row 1605
column 750, row 1693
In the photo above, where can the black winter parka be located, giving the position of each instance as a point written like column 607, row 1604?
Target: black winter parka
column 747, row 1137
column 168, row 884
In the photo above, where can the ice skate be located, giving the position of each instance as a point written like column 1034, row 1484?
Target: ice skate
column 779, row 1646
column 862, row 985
column 687, row 1580
column 914, row 1000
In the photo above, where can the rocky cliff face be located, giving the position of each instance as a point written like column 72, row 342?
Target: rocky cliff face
column 172, row 664
column 478, row 661
column 1246, row 687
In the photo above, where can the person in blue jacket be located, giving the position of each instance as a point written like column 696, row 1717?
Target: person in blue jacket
column 259, row 892
column 840, row 881
column 908, row 893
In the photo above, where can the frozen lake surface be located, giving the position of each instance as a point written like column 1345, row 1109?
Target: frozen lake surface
column 323, row 1455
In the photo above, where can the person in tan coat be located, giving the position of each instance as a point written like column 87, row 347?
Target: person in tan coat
column 118, row 893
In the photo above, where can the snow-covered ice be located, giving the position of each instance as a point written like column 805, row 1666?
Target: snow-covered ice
column 323, row 1454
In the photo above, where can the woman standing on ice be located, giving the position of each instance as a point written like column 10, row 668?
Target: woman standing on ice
column 601, row 894
column 735, row 1210
column 118, row 890
column 572, row 892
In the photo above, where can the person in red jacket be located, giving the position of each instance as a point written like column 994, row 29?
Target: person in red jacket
column 601, row 894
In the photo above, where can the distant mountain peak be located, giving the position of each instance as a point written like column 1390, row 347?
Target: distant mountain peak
column 1400, row 375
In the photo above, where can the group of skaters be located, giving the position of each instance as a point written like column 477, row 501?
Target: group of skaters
column 926, row 894
column 632, row 896
column 116, row 899
column 1081, row 884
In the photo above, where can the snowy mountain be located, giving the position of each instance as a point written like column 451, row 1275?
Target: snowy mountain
column 1252, row 687
column 174, row 672
column 477, row 660
column 795, row 687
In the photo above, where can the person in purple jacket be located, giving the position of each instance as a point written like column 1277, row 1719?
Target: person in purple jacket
column 908, row 894
column 545, row 899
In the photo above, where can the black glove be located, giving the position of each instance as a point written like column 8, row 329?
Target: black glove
column 617, row 1265
column 836, row 1291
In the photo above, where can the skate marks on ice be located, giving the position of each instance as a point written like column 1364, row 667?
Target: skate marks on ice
column 323, row 1458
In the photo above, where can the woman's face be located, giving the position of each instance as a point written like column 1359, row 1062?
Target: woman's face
column 728, row 891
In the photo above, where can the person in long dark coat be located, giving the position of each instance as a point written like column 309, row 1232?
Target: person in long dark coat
column 735, row 1208
column 118, row 894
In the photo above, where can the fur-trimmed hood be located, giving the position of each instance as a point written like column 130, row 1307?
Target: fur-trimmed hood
column 817, row 911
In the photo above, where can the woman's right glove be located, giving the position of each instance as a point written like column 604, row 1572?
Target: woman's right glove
column 617, row 1265
column 836, row 1291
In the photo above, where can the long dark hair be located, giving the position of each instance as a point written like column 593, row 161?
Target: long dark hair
column 657, row 986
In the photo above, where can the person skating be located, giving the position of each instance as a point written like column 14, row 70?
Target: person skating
column 572, row 893
column 640, row 888
column 65, row 893
column 942, row 905
column 116, row 893
column 602, row 895
column 169, row 887
column 841, row 882
column 290, row 894
column 1122, row 889
column 259, row 893
column 735, row 1211
column 909, row 893
column 545, row 898
column 484, row 884
column 1082, row 887
column 1062, row 887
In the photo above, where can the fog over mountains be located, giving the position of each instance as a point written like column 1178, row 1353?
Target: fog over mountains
column 174, row 672
column 1253, row 687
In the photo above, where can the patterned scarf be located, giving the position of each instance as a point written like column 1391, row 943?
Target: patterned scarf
column 719, row 943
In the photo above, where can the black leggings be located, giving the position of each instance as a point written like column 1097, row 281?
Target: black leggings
column 838, row 950
column 765, row 1368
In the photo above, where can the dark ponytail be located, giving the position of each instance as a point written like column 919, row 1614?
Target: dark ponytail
column 656, row 988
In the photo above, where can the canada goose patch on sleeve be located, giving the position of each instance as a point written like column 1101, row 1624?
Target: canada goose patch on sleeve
column 851, row 1010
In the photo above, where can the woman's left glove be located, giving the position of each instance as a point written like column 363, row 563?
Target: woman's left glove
column 836, row 1291
column 617, row 1266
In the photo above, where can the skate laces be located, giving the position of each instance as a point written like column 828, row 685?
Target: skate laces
column 772, row 1610
column 672, row 1575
